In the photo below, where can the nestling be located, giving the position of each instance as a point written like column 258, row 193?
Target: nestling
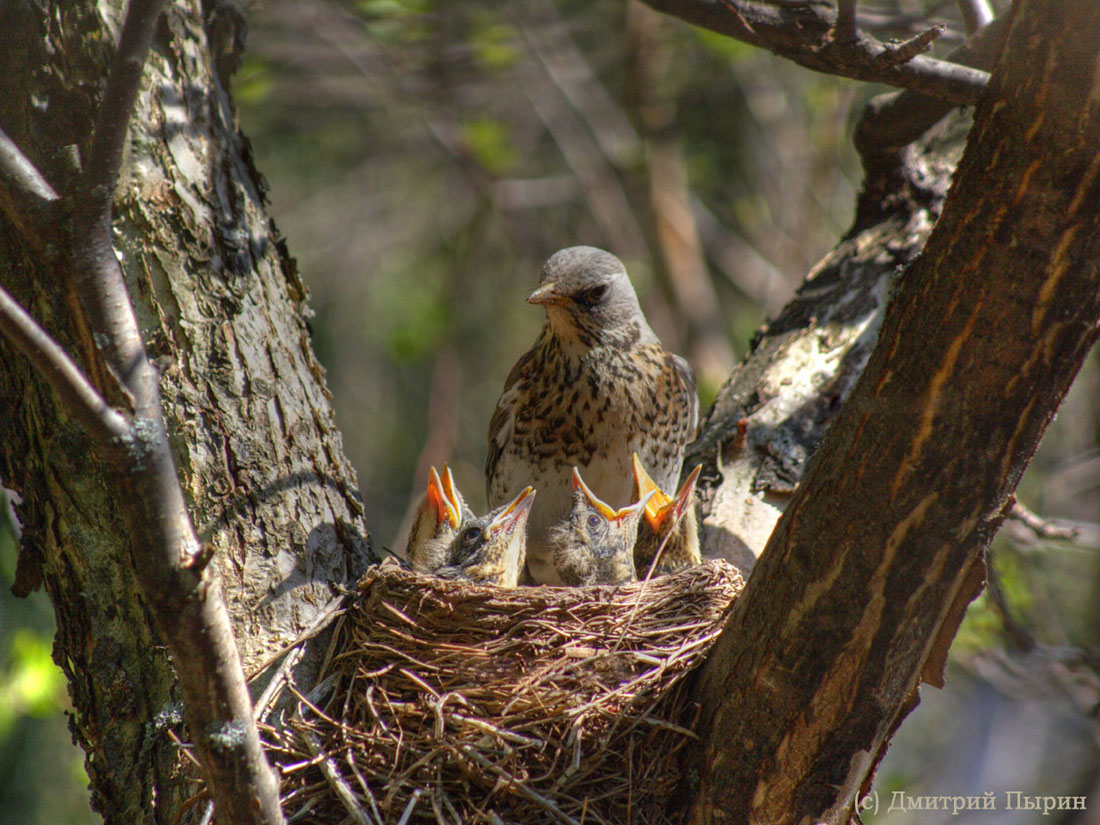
column 490, row 549
column 439, row 516
column 669, row 525
column 595, row 545
column 596, row 387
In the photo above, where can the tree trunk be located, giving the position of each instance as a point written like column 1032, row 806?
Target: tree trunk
column 864, row 581
column 223, row 314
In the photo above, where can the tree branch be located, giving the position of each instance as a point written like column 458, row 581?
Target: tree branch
column 183, row 592
column 825, row 647
column 61, row 372
column 807, row 34
column 893, row 120
column 846, row 31
column 976, row 14
column 26, row 197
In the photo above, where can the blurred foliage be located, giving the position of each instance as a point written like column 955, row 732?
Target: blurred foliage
column 43, row 779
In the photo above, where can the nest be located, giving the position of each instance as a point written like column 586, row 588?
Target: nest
column 452, row 702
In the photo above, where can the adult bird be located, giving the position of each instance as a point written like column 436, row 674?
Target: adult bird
column 595, row 545
column 439, row 516
column 669, row 526
column 490, row 549
column 596, row 387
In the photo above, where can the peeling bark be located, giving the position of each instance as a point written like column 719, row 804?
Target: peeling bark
column 772, row 413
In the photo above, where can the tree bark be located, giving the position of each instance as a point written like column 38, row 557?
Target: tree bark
column 864, row 581
column 223, row 314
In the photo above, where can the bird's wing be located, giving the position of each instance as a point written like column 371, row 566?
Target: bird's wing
column 691, row 397
column 503, row 420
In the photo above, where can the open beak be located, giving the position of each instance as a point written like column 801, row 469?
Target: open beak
column 515, row 513
column 547, row 295
column 673, row 510
column 644, row 484
column 442, row 494
column 604, row 509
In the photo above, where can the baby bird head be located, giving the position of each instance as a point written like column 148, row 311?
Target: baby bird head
column 438, row 518
column 596, row 544
column 491, row 549
column 669, row 521
column 588, row 297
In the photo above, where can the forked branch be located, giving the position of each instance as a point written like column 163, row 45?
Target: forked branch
column 819, row 37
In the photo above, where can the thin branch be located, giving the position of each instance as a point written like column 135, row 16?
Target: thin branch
column 975, row 14
column 803, row 33
column 904, row 52
column 893, row 120
column 16, row 168
column 846, row 31
column 61, row 372
column 109, row 137
column 26, row 197
column 1040, row 527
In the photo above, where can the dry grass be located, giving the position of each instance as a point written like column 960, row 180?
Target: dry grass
column 452, row 702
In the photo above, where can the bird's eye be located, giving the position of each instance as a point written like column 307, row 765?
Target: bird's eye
column 591, row 297
column 471, row 535
column 594, row 521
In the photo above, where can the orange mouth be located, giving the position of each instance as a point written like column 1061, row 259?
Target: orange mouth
column 661, row 509
column 444, row 497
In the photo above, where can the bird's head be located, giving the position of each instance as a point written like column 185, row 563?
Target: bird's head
column 492, row 549
column 588, row 296
column 439, row 516
column 604, row 534
column 663, row 511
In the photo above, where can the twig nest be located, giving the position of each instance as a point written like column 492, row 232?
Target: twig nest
column 455, row 702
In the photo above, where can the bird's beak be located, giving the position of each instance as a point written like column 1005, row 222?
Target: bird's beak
column 644, row 484
column 442, row 493
column 604, row 509
column 674, row 510
column 514, row 515
column 641, row 505
column 547, row 295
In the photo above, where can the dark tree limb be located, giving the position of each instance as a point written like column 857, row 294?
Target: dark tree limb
column 181, row 588
column 846, row 30
column 862, row 579
column 807, row 34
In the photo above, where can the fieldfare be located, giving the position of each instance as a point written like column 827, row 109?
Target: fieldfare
column 596, row 387
column 669, row 525
column 490, row 549
column 439, row 516
column 595, row 545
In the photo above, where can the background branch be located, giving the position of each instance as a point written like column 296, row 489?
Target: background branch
column 976, row 14
column 806, row 34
